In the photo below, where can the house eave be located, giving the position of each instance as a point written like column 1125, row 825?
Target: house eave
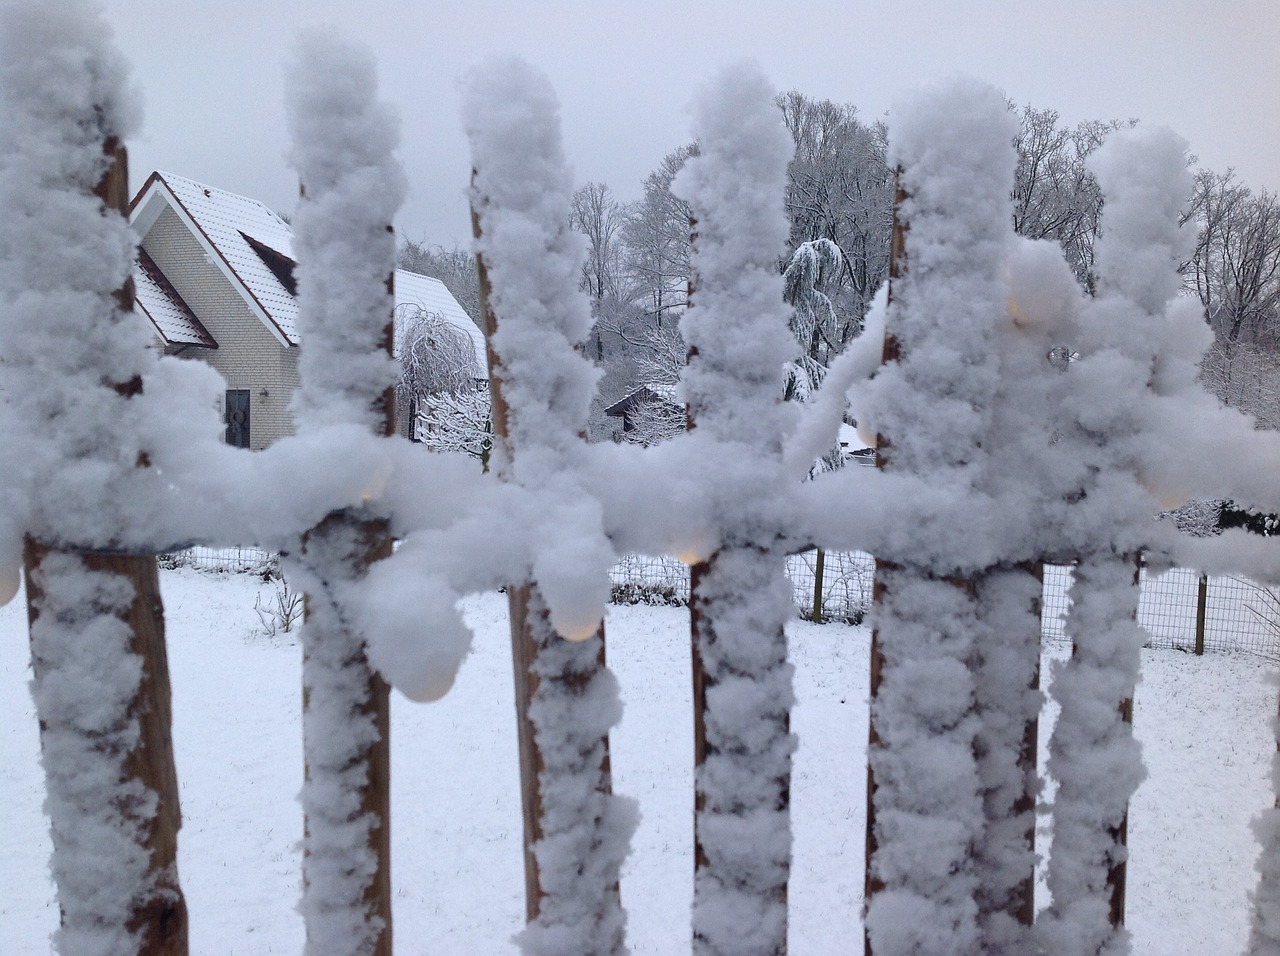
column 147, row 206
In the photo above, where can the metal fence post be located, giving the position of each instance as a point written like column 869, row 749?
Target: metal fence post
column 817, row 586
column 1202, row 604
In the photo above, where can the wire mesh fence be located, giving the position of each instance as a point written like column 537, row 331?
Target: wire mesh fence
column 845, row 588
column 1179, row 608
column 235, row 560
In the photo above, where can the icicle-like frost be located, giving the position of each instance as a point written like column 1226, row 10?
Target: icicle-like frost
column 934, row 405
column 737, row 333
column 351, row 187
column 521, row 190
column 86, row 677
column 521, row 195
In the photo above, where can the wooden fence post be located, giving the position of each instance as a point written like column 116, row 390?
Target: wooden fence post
column 540, row 656
column 159, row 911
column 818, row 563
column 872, row 884
column 339, row 683
column 350, row 186
column 740, row 598
column 990, row 628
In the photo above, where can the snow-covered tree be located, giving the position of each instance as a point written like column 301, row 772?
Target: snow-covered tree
column 813, row 268
column 656, row 240
column 840, row 188
column 442, row 391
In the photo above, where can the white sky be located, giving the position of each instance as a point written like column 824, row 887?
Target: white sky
column 211, row 74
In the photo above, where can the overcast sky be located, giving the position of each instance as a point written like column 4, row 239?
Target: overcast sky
column 211, row 74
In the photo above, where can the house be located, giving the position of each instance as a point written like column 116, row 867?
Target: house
column 653, row 400
column 215, row 276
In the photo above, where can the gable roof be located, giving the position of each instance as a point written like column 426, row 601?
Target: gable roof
column 430, row 295
column 228, row 226
column 167, row 310
column 663, row 394
column 253, row 247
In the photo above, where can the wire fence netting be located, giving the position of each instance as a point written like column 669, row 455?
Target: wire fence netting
column 1177, row 606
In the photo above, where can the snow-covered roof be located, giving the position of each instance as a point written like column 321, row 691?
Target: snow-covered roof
column 161, row 303
column 645, row 393
column 253, row 247
column 430, row 295
column 228, row 226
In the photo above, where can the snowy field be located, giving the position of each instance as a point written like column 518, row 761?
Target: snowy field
column 1204, row 725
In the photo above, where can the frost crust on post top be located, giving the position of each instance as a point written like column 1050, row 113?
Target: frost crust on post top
column 521, row 192
column 343, row 143
column 73, row 441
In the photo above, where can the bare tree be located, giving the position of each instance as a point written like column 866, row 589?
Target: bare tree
column 656, row 238
column 1054, row 194
column 1236, row 267
column 598, row 216
column 1247, row 376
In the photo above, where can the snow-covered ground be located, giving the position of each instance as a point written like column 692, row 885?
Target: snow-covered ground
column 1204, row 724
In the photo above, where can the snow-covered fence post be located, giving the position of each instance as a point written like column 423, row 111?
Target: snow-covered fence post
column 351, row 186
column 933, row 402
column 74, row 356
column 1264, row 934
column 576, row 831
column 736, row 329
column 1112, row 419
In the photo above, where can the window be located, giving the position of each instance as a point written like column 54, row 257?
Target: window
column 237, row 417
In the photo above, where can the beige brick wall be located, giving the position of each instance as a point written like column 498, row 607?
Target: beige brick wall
column 248, row 355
